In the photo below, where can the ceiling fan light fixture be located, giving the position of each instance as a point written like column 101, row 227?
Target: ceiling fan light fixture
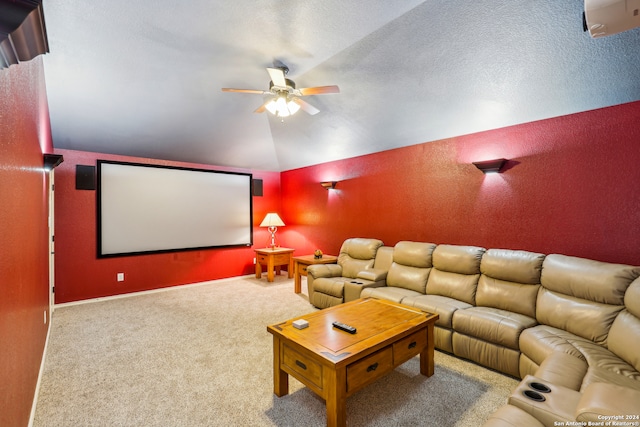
column 282, row 106
column 271, row 107
column 293, row 107
column 285, row 99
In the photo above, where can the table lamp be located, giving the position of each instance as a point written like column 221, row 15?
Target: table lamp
column 272, row 221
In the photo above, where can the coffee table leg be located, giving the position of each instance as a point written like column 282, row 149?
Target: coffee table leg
column 280, row 377
column 336, row 399
column 426, row 357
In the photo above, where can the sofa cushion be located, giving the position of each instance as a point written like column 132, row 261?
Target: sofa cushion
column 608, row 402
column 453, row 285
column 333, row 286
column 624, row 338
column 603, row 364
column 632, row 298
column 497, row 357
column 360, row 248
column 357, row 254
column 542, row 344
column 403, row 276
column 510, row 280
column 351, row 266
column 563, row 369
column 514, row 297
column 588, row 319
column 512, row 416
column 411, row 265
column 413, row 254
column 458, row 259
column 455, row 273
column 587, row 279
column 390, row 293
column 492, row 325
column 542, row 340
column 601, row 374
column 319, row 299
column 443, row 306
column 512, row 265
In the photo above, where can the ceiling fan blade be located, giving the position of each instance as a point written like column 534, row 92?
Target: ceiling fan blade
column 319, row 90
column 228, row 89
column 261, row 108
column 306, row 107
column 277, row 76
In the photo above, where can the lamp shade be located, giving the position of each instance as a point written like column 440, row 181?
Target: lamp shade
column 272, row 220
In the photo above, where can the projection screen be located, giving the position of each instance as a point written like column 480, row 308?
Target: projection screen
column 149, row 208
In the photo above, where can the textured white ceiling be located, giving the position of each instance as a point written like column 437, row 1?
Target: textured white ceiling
column 144, row 79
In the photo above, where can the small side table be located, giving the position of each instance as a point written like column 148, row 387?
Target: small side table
column 300, row 264
column 273, row 259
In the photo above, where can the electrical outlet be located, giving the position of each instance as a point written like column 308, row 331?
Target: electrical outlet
column 120, row 277
column 254, row 260
column 45, row 317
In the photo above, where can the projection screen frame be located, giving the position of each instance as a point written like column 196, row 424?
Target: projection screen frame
column 99, row 206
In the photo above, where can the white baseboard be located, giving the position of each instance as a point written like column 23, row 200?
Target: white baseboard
column 151, row 291
column 37, row 390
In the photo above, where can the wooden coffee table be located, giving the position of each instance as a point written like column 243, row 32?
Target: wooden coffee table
column 335, row 364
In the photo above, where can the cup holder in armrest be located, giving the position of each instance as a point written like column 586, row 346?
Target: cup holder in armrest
column 533, row 395
column 539, row 387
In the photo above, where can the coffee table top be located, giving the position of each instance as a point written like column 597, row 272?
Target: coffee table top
column 378, row 322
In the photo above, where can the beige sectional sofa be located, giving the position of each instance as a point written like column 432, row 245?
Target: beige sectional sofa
column 568, row 323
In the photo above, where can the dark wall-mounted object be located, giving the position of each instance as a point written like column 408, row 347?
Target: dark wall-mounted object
column 490, row 166
column 23, row 35
column 50, row 161
column 256, row 187
column 85, row 177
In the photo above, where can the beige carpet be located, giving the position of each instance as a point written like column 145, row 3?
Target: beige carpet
column 201, row 356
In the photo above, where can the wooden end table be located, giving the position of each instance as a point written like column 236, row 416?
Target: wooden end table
column 335, row 364
column 273, row 258
column 300, row 264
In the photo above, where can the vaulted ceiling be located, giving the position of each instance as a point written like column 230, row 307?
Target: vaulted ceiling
column 144, row 78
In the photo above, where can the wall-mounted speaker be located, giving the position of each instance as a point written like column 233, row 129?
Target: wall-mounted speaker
column 256, row 187
column 85, row 177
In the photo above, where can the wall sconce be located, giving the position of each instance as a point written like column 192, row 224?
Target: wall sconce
column 50, row 161
column 329, row 184
column 490, row 166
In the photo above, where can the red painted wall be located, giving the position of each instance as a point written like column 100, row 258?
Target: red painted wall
column 81, row 275
column 572, row 186
column 24, row 263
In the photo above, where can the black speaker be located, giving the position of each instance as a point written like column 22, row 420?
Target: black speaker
column 256, row 186
column 85, row 177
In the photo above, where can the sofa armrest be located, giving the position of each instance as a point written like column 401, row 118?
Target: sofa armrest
column 353, row 289
column 373, row 274
column 608, row 402
column 324, row 270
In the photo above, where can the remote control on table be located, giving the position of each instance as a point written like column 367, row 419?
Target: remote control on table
column 343, row 327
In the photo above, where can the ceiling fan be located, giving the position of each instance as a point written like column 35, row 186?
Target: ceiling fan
column 284, row 99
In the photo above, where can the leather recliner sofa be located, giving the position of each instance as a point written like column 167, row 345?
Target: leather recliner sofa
column 361, row 263
column 568, row 323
